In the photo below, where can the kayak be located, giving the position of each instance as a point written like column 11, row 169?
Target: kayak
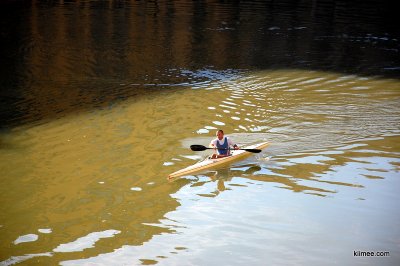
column 211, row 163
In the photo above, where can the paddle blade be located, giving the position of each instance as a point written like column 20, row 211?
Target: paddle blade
column 252, row 150
column 198, row 148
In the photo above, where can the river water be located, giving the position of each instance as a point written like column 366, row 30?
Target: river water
column 100, row 101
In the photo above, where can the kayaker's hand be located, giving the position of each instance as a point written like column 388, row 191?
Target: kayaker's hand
column 235, row 147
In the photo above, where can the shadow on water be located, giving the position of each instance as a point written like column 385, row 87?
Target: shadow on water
column 61, row 57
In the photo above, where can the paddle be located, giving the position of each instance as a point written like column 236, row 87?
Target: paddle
column 203, row 148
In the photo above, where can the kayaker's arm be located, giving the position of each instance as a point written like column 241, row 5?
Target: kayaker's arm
column 231, row 143
column 212, row 145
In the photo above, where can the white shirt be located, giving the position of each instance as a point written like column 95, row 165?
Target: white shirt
column 221, row 142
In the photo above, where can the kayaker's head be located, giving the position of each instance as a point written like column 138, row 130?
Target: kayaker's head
column 220, row 134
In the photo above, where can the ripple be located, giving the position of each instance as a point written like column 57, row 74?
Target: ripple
column 26, row 238
column 219, row 123
column 230, row 103
column 85, row 242
column 227, row 106
column 45, row 231
column 18, row 259
column 314, row 80
column 202, row 131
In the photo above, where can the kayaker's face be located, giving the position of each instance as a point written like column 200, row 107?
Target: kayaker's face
column 220, row 135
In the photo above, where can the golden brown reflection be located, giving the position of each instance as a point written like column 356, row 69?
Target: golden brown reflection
column 105, row 170
column 75, row 175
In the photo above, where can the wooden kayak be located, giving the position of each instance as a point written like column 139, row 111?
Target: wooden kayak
column 211, row 163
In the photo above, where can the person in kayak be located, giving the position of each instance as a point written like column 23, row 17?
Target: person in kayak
column 221, row 145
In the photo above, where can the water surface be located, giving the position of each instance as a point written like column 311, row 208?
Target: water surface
column 101, row 100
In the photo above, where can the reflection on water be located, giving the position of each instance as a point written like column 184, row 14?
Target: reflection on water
column 97, row 181
column 101, row 100
column 85, row 242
